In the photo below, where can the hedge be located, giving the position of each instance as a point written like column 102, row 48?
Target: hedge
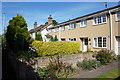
column 54, row 48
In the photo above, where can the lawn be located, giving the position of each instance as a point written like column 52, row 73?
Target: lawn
column 112, row 75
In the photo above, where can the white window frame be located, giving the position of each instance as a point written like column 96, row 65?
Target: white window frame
column 98, row 19
column 116, row 16
column 72, row 25
column 62, row 28
column 50, row 30
column 56, row 29
column 83, row 23
column 97, row 42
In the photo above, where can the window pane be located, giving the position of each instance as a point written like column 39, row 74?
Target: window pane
column 104, row 18
column 104, row 42
column 95, row 21
column 74, row 39
column 99, row 41
column 81, row 23
column 63, row 27
column 99, row 19
column 95, row 42
column 118, row 15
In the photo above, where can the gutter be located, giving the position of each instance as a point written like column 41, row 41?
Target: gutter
column 111, row 31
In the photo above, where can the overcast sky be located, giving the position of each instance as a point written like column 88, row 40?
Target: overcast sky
column 60, row 11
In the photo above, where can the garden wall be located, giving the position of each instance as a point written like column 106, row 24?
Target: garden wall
column 70, row 59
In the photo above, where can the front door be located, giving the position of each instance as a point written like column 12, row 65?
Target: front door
column 84, row 44
column 117, row 45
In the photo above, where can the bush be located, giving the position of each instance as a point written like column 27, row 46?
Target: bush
column 88, row 64
column 38, row 37
column 105, row 56
column 54, row 38
column 56, row 69
column 54, row 48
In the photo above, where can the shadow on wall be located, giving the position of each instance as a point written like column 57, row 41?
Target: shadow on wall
column 13, row 69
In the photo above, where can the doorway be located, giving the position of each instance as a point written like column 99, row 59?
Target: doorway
column 84, row 44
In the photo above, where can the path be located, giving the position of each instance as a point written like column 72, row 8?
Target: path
column 95, row 72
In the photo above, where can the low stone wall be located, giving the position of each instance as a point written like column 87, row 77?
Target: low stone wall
column 70, row 59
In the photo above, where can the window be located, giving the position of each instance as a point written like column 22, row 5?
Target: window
column 83, row 23
column 63, row 39
column 99, row 20
column 72, row 39
column 117, row 16
column 50, row 30
column 72, row 26
column 100, row 42
column 63, row 28
column 56, row 29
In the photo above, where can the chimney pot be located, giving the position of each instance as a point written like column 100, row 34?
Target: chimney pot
column 50, row 19
column 35, row 24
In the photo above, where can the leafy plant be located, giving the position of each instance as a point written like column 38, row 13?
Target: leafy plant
column 88, row 64
column 17, row 35
column 54, row 48
column 105, row 56
column 56, row 68
column 38, row 37
column 54, row 38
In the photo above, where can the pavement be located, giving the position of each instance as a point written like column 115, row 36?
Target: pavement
column 96, row 72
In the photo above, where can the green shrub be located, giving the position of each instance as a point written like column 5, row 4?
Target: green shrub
column 54, row 38
column 105, row 56
column 88, row 64
column 56, row 68
column 54, row 48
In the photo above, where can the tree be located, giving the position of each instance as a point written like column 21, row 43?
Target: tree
column 38, row 37
column 53, row 21
column 54, row 38
column 17, row 35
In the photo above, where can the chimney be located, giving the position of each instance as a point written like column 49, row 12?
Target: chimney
column 35, row 24
column 50, row 19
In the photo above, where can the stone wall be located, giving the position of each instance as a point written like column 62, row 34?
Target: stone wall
column 70, row 59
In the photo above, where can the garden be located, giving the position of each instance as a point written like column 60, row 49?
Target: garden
column 59, row 69
column 29, row 51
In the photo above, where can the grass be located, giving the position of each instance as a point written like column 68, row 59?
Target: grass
column 111, row 75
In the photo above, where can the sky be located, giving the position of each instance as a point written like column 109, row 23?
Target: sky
column 39, row 11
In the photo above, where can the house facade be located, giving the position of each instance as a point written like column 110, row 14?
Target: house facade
column 42, row 29
column 95, row 31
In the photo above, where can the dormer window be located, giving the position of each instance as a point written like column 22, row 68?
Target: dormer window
column 83, row 23
column 72, row 26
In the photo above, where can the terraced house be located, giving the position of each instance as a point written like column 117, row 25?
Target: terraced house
column 95, row 31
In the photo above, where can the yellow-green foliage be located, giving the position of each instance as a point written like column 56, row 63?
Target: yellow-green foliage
column 54, row 48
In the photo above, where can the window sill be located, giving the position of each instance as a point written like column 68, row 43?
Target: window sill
column 117, row 20
column 56, row 31
column 100, row 47
column 99, row 24
column 72, row 29
column 83, row 26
